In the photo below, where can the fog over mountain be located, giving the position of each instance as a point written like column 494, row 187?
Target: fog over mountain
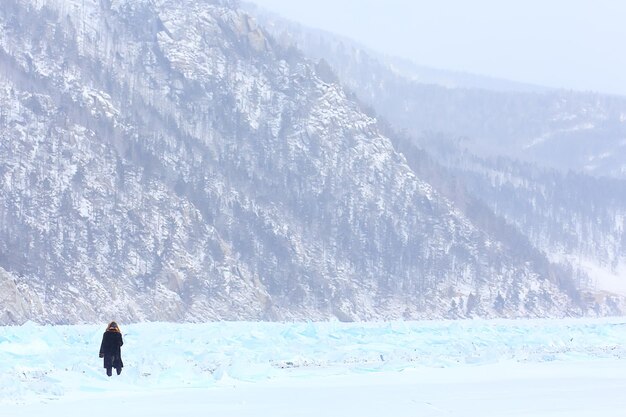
column 182, row 161
column 549, row 162
column 568, row 44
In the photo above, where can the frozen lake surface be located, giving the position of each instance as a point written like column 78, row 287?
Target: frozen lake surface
column 539, row 368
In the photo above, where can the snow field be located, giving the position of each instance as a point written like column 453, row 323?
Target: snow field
column 412, row 366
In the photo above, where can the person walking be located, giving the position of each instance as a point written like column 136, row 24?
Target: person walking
column 110, row 348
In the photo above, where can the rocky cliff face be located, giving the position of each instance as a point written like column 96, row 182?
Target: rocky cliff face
column 167, row 160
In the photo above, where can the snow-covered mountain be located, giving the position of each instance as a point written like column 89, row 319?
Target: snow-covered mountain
column 548, row 163
column 566, row 130
column 169, row 160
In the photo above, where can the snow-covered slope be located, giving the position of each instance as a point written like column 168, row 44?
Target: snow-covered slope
column 567, row 130
column 167, row 160
column 470, row 140
column 574, row 218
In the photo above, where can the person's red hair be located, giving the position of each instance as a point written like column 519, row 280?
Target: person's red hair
column 113, row 327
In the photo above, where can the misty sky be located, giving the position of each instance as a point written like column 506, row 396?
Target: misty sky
column 578, row 44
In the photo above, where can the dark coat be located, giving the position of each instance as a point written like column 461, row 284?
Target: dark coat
column 110, row 349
